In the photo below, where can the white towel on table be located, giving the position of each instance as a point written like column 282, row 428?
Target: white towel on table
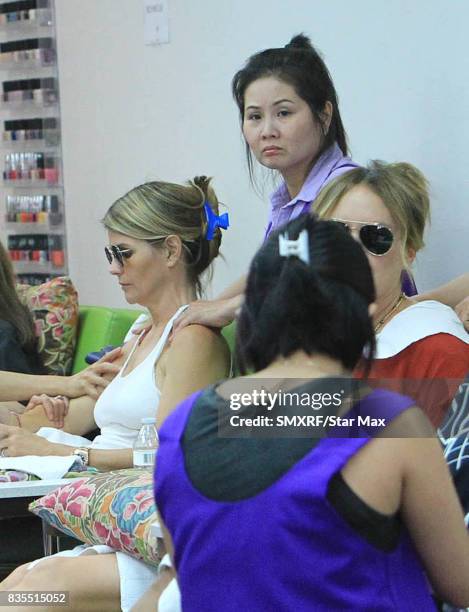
column 46, row 468
column 51, row 466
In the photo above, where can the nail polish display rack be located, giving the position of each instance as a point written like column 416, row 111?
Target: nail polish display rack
column 32, row 216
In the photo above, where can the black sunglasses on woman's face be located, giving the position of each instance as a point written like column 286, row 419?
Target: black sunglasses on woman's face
column 115, row 252
column 375, row 238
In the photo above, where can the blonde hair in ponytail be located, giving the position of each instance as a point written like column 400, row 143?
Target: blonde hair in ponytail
column 155, row 210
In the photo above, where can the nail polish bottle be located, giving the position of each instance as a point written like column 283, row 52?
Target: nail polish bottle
column 32, row 11
column 9, row 211
column 56, row 251
column 51, row 132
column 11, row 246
column 6, row 131
column 46, row 51
column 21, row 131
column 35, row 89
column 6, row 88
column 13, row 167
column 49, row 90
column 40, row 166
column 6, row 167
column 4, row 50
column 23, row 171
column 50, row 170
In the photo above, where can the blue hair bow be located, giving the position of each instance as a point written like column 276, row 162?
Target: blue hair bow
column 214, row 221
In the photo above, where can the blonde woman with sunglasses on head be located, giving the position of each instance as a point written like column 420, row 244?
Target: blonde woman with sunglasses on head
column 162, row 237
column 423, row 344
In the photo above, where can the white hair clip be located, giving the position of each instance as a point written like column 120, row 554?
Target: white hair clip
column 299, row 247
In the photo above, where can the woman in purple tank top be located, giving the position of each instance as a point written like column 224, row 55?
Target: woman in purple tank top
column 266, row 508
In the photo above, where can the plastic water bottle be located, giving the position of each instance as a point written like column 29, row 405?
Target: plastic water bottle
column 146, row 444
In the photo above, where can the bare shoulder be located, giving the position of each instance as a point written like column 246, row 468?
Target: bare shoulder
column 411, row 423
column 397, row 444
column 200, row 338
column 202, row 348
column 378, row 470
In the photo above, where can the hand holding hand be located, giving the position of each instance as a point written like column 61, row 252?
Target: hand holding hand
column 56, row 408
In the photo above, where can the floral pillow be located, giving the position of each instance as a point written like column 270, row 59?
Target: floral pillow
column 54, row 306
column 114, row 508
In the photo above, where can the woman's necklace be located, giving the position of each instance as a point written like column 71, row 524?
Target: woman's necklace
column 380, row 324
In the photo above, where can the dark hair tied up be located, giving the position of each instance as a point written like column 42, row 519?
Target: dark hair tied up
column 300, row 65
column 320, row 308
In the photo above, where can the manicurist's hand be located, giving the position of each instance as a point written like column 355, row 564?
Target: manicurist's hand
column 55, row 408
column 96, row 377
column 211, row 313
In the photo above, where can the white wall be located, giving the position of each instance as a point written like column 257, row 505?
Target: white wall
column 132, row 113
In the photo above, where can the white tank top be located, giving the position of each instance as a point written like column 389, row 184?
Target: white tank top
column 127, row 399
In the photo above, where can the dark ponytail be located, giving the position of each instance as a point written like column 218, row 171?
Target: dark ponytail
column 300, row 41
column 320, row 307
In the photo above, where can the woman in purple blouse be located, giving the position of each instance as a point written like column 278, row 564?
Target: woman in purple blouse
column 344, row 513
column 291, row 124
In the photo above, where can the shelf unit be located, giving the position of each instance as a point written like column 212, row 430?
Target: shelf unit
column 32, row 216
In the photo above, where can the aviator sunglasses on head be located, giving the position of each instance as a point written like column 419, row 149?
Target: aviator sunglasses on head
column 375, row 238
column 115, row 252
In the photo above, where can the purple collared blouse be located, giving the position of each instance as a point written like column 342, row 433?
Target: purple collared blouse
column 329, row 166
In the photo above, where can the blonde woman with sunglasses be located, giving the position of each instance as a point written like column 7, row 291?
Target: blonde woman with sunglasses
column 162, row 237
column 423, row 344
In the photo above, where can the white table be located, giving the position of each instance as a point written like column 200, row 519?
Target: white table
column 35, row 488
column 29, row 488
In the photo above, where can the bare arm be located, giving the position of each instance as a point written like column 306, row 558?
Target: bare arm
column 14, row 386
column 80, row 417
column 196, row 358
column 235, row 289
column 46, row 411
column 18, row 442
column 403, row 469
column 434, row 517
column 103, row 460
column 450, row 294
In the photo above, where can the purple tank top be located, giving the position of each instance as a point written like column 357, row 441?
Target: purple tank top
column 284, row 548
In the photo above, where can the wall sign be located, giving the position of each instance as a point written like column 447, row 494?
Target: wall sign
column 156, row 22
